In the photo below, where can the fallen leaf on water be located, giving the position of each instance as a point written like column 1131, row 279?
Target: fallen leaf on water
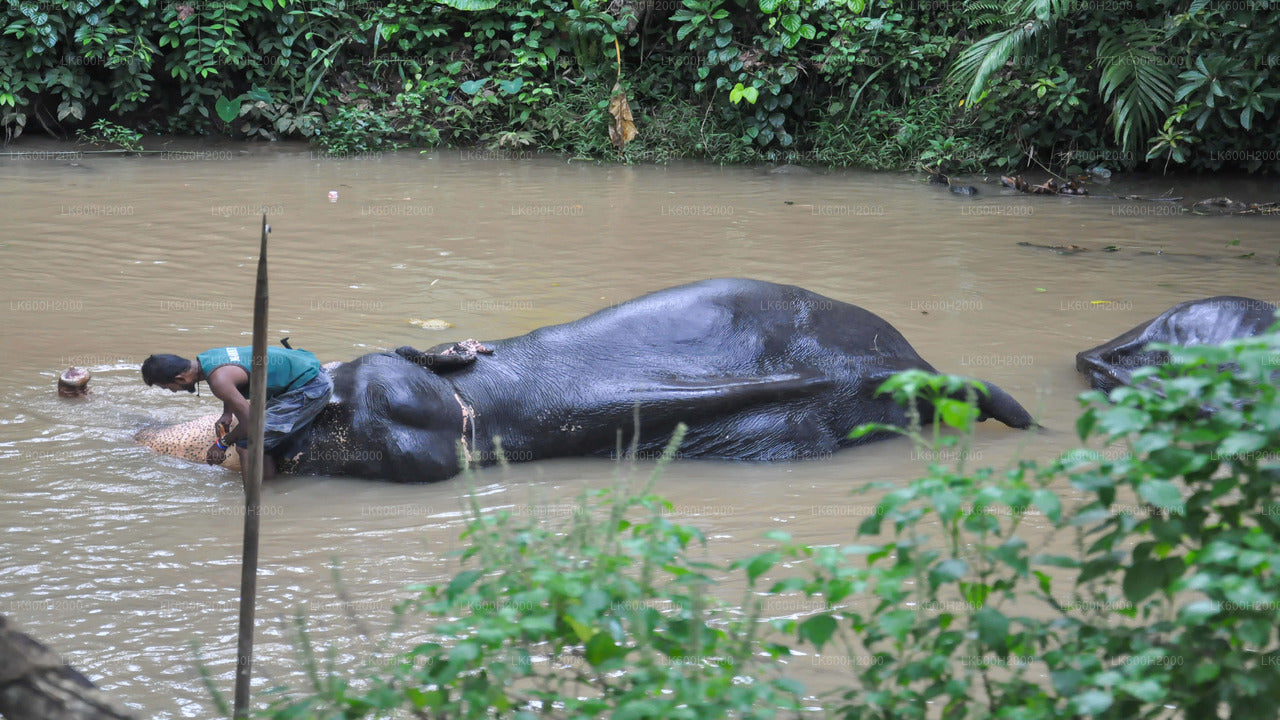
column 623, row 128
column 1041, row 290
column 432, row 324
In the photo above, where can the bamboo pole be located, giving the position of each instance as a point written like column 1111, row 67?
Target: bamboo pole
column 253, row 483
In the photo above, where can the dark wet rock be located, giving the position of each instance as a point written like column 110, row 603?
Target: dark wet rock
column 937, row 176
column 36, row 684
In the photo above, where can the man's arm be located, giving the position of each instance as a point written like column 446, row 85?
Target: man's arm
column 225, row 382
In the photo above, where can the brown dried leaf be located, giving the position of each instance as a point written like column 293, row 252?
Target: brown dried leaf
column 623, row 128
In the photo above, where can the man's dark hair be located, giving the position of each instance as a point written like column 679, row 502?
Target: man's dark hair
column 163, row 368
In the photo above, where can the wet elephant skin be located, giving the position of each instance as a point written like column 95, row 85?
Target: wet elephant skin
column 1209, row 321
column 757, row 371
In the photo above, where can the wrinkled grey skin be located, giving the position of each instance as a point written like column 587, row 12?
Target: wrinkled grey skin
column 1197, row 322
column 757, row 371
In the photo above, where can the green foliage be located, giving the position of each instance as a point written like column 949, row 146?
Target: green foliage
column 358, row 130
column 1168, row 599
column 607, row 613
column 976, row 85
column 1176, row 85
column 108, row 133
column 1197, row 570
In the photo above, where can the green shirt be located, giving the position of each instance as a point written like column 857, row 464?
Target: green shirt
column 286, row 369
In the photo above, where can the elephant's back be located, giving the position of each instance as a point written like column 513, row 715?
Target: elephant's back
column 1207, row 321
column 726, row 324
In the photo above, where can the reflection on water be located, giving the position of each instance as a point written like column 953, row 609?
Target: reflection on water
column 120, row 559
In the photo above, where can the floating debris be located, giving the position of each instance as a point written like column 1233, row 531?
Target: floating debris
column 432, row 324
column 1051, row 186
column 1227, row 206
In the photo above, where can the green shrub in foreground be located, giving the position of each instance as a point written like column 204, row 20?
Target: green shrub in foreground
column 1148, row 590
column 605, row 615
column 1166, row 605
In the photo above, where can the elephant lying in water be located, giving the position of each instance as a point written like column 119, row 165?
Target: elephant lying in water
column 1197, row 322
column 757, row 371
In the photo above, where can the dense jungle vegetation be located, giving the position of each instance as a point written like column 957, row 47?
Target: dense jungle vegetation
column 980, row 84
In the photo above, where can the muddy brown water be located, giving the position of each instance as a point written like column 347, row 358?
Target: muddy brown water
column 120, row 559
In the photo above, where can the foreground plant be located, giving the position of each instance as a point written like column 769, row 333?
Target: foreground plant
column 605, row 614
column 1166, row 607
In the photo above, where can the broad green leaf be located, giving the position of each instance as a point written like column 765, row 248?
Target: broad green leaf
column 511, row 87
column 1124, row 420
column 1049, row 504
column 1091, row 702
column 897, row 623
column 1143, row 579
column 947, row 571
column 461, row 582
column 956, row 414
column 1162, row 494
column 583, row 632
column 993, row 628
column 1241, row 442
column 760, row 564
column 1146, row 690
column 465, row 651
column 601, row 648
column 818, row 629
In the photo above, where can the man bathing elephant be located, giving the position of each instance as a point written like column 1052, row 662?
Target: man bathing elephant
column 297, row 390
column 1197, row 322
column 757, row 371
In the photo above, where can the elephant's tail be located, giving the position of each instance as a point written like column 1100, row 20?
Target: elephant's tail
column 998, row 404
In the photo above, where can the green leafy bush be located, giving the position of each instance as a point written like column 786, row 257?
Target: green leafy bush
column 879, row 83
column 607, row 613
column 1168, row 599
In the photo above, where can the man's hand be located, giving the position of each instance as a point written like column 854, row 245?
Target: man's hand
column 215, row 455
column 224, row 423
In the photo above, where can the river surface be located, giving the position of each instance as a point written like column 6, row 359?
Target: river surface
column 120, row 559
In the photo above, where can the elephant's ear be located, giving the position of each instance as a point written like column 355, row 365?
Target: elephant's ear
column 435, row 362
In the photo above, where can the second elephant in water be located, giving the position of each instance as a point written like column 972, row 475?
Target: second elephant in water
column 1196, row 322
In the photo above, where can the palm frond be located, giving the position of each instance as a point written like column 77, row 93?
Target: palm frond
column 1141, row 84
column 1024, row 21
column 1046, row 11
column 978, row 62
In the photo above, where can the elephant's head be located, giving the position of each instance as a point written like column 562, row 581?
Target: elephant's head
column 391, row 416
column 388, row 418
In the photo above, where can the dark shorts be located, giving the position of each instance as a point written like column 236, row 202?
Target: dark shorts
column 291, row 412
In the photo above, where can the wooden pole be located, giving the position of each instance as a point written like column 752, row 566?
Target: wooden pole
column 253, row 483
